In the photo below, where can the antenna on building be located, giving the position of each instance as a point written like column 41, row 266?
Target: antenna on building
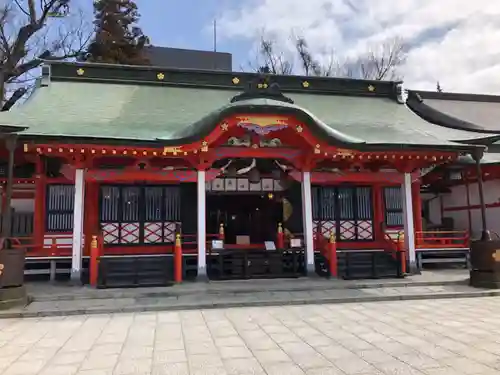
column 215, row 35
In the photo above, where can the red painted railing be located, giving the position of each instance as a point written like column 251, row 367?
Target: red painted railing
column 395, row 246
column 442, row 239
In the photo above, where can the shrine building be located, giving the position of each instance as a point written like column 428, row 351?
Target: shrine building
column 119, row 169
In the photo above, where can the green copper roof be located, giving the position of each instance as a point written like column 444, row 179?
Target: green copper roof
column 151, row 112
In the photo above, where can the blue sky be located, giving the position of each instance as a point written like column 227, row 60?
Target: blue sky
column 188, row 24
column 458, row 47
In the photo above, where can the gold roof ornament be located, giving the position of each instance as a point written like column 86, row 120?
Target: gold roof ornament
column 371, row 88
column 80, row 72
column 305, row 84
column 299, row 129
column 235, row 80
column 160, row 76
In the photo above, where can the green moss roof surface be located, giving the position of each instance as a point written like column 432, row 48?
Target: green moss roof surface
column 171, row 114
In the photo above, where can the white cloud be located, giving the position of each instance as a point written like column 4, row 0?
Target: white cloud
column 454, row 41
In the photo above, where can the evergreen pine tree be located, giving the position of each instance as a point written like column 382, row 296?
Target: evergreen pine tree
column 118, row 39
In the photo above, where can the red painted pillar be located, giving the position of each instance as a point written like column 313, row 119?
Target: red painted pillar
column 39, row 214
column 94, row 261
column 91, row 214
column 178, row 259
column 280, row 240
column 332, row 255
column 417, row 211
column 378, row 212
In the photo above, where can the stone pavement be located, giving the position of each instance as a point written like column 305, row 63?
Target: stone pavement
column 140, row 302
column 62, row 299
column 432, row 337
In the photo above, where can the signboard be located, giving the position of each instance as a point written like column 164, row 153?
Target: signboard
column 270, row 245
column 217, row 244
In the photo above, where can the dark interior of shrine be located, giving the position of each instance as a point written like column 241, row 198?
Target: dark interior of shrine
column 249, row 217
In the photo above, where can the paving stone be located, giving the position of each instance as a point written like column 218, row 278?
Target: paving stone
column 60, row 370
column 243, row 367
column 99, row 361
column 170, row 369
column 25, row 367
column 271, row 356
column 170, row 356
column 133, row 367
column 283, row 369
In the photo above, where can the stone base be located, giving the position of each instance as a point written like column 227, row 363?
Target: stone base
column 413, row 269
column 484, row 279
column 13, row 297
column 202, row 275
column 76, row 278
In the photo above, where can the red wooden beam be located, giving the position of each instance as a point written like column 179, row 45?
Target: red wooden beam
column 128, row 175
column 389, row 178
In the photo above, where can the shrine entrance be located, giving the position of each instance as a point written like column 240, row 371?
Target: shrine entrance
column 248, row 218
column 247, row 199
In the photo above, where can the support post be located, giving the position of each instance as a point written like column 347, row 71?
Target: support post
column 378, row 214
column 332, row 255
column 78, row 214
column 202, row 241
column 469, row 213
column 417, row 211
column 485, row 233
column 409, row 229
column 94, row 261
column 280, row 239
column 39, row 220
column 178, row 259
column 308, row 222
column 10, row 143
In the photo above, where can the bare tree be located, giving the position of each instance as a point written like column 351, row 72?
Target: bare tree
column 271, row 61
column 32, row 31
column 379, row 62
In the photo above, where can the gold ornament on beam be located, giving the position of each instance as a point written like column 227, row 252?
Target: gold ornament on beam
column 235, row 80
column 371, row 88
column 80, row 72
column 171, row 150
column 160, row 76
column 305, row 84
column 204, row 146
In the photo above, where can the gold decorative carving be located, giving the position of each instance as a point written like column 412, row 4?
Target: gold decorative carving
column 80, row 72
column 264, row 121
column 344, row 152
column 160, row 76
column 172, row 150
column 305, row 84
column 299, row 129
column 371, row 88
column 236, row 80
column 224, row 126
column 204, row 146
